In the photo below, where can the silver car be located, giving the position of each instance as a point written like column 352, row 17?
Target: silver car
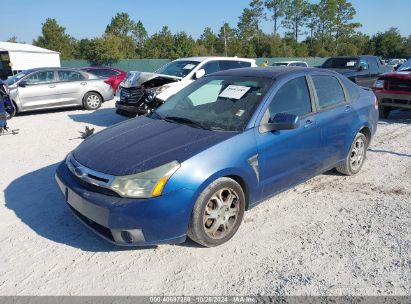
column 46, row 88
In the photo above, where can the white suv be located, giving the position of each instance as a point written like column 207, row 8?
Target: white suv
column 140, row 88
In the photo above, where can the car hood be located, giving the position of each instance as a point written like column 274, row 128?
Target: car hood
column 401, row 75
column 135, row 79
column 141, row 144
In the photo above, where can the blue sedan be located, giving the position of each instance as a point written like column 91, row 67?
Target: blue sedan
column 217, row 148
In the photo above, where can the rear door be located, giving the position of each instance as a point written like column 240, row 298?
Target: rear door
column 363, row 77
column 72, row 86
column 40, row 90
column 334, row 118
column 288, row 157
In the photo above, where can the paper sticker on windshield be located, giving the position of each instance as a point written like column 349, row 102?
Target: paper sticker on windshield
column 189, row 66
column 234, row 92
column 351, row 63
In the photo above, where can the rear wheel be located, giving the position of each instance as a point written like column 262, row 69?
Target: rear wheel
column 218, row 213
column 384, row 111
column 355, row 159
column 92, row 101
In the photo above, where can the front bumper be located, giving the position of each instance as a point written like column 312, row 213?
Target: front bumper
column 402, row 101
column 128, row 222
column 130, row 109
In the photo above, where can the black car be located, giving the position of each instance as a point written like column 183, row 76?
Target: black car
column 362, row 70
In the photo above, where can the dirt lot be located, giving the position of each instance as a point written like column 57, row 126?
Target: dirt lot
column 332, row 235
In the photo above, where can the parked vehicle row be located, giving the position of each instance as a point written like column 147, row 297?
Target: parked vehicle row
column 218, row 147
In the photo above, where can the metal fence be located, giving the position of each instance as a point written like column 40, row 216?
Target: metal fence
column 151, row 65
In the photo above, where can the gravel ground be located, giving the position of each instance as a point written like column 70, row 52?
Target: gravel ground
column 332, row 235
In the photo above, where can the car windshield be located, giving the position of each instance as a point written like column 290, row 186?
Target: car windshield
column 12, row 80
column 341, row 63
column 180, row 68
column 406, row 66
column 223, row 103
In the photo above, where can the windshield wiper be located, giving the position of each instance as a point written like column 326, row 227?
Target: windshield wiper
column 184, row 120
column 156, row 113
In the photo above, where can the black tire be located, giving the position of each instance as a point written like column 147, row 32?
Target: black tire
column 226, row 222
column 92, row 101
column 384, row 111
column 352, row 165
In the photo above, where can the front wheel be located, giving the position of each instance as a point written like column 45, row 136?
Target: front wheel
column 92, row 101
column 355, row 159
column 218, row 213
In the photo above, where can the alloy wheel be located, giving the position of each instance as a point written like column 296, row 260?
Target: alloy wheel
column 221, row 213
column 93, row 101
column 357, row 154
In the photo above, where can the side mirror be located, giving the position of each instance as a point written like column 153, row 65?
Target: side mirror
column 363, row 67
column 200, row 73
column 281, row 121
column 22, row 84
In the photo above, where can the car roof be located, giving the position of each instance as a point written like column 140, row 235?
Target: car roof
column 203, row 58
column 291, row 61
column 269, row 72
column 50, row 68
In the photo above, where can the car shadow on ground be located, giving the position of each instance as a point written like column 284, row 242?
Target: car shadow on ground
column 101, row 117
column 37, row 201
column 397, row 117
column 48, row 111
column 389, row 152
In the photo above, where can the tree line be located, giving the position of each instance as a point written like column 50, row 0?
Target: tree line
column 318, row 29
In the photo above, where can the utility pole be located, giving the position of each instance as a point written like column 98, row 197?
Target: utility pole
column 225, row 40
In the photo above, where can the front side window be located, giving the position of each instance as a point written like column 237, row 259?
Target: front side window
column 218, row 103
column 40, row 77
column 329, row 91
column 70, row 76
column 292, row 98
column 373, row 64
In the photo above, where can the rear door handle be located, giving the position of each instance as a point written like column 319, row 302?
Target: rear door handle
column 83, row 83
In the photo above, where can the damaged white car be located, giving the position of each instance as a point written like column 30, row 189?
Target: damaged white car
column 141, row 92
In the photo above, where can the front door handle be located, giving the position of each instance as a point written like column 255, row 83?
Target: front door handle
column 83, row 83
column 52, row 86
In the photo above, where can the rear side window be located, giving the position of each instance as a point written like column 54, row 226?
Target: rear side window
column 228, row 65
column 70, row 76
column 373, row 64
column 329, row 91
column 353, row 89
column 292, row 98
column 211, row 67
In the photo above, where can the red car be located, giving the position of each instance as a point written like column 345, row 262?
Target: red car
column 393, row 90
column 115, row 76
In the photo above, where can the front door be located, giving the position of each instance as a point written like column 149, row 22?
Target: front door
column 38, row 91
column 288, row 157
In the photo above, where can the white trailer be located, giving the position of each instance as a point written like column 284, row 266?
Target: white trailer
column 16, row 57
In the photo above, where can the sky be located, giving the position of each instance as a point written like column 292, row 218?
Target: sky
column 88, row 18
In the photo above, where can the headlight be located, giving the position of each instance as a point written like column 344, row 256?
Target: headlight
column 161, row 89
column 379, row 84
column 146, row 184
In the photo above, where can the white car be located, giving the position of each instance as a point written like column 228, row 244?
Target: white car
column 140, row 88
column 291, row 63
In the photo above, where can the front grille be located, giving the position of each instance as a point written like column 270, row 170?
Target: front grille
column 104, row 231
column 132, row 95
column 396, row 101
column 398, row 84
column 92, row 187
